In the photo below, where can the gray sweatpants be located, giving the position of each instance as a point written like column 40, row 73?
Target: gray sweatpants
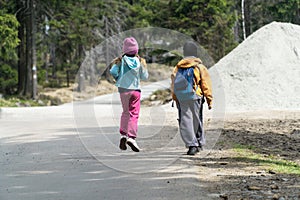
column 191, row 122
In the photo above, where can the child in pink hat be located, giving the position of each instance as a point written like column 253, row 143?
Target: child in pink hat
column 130, row 46
column 128, row 71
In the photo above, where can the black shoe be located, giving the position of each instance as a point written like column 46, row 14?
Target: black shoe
column 192, row 150
column 122, row 144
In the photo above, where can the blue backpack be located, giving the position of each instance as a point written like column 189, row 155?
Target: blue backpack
column 183, row 84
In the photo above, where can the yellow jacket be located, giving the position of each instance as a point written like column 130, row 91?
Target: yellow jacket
column 201, row 78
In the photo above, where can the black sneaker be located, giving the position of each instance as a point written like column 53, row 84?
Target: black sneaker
column 192, row 150
column 123, row 141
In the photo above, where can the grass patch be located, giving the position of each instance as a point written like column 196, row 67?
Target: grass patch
column 241, row 148
column 19, row 102
column 246, row 153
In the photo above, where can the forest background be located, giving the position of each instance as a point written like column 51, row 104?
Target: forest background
column 43, row 42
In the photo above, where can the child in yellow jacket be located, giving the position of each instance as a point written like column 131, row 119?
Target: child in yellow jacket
column 190, row 112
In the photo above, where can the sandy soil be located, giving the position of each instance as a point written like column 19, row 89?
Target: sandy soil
column 232, row 174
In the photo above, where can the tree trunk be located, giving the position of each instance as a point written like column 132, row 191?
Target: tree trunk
column 243, row 18
column 28, row 52
column 93, row 69
column 82, row 73
column 106, row 72
column 21, row 50
column 236, row 28
column 53, row 59
column 21, row 61
column 248, row 26
column 33, row 49
column 47, row 57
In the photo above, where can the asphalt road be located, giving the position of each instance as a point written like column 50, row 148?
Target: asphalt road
column 70, row 152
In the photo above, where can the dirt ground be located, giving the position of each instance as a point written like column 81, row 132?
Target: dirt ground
column 250, row 173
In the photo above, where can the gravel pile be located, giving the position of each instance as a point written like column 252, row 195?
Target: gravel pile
column 263, row 72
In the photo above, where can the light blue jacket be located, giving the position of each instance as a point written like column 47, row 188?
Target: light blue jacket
column 129, row 72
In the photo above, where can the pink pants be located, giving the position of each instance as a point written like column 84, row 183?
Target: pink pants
column 131, row 109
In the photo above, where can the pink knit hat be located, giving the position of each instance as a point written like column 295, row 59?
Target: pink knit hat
column 130, row 46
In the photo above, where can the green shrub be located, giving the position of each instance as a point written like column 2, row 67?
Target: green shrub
column 8, row 79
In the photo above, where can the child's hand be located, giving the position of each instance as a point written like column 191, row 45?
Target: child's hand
column 209, row 107
column 116, row 60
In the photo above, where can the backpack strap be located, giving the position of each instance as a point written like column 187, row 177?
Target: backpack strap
column 198, row 83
